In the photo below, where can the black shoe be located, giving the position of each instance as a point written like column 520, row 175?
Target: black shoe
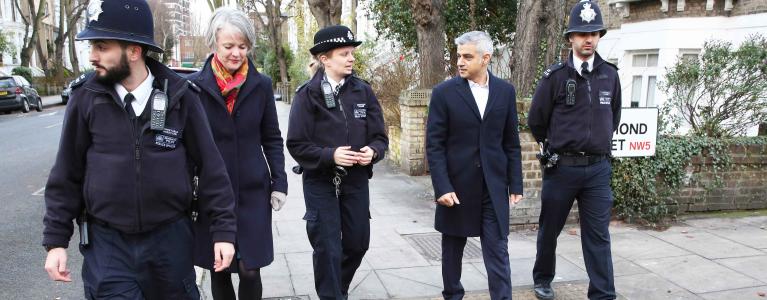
column 543, row 291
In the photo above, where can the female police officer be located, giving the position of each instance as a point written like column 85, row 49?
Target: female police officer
column 335, row 133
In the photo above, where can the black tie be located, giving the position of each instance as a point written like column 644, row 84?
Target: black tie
column 128, row 107
column 585, row 69
column 336, row 90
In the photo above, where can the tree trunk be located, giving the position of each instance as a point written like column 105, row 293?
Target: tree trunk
column 354, row 16
column 73, row 55
column 427, row 15
column 32, row 43
column 537, row 42
column 326, row 12
column 274, row 29
column 69, row 16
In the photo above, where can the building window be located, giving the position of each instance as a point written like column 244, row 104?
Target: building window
column 645, row 60
column 636, row 91
column 644, row 80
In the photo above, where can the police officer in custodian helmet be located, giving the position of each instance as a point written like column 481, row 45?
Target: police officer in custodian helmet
column 575, row 109
column 133, row 131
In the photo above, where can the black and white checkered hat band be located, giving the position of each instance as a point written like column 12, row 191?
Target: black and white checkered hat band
column 334, row 40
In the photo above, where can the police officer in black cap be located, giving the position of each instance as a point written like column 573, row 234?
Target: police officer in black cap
column 133, row 131
column 336, row 134
column 575, row 109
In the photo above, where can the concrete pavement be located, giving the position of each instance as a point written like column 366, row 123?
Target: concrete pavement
column 714, row 258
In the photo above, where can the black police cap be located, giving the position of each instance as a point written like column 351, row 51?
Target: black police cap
column 333, row 37
column 125, row 20
column 586, row 17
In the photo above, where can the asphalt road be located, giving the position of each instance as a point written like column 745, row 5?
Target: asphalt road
column 28, row 145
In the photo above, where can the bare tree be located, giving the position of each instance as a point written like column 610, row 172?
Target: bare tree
column 429, row 22
column 537, row 42
column 74, row 61
column 163, row 30
column 273, row 26
column 70, row 13
column 326, row 12
column 33, row 19
column 354, row 15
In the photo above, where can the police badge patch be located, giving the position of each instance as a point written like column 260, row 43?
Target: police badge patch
column 94, row 10
column 605, row 97
column 360, row 112
column 350, row 35
column 587, row 13
column 168, row 138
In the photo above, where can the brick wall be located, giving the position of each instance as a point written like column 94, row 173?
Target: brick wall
column 651, row 10
column 744, row 185
column 413, row 108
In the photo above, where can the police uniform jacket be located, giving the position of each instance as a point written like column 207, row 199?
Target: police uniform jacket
column 315, row 131
column 466, row 151
column 135, row 182
column 588, row 125
column 250, row 142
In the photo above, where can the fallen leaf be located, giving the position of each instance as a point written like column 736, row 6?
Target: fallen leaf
column 684, row 231
column 761, row 294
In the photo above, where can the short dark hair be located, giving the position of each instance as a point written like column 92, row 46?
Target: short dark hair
column 144, row 48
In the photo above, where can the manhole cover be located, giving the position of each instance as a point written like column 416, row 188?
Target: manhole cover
column 430, row 246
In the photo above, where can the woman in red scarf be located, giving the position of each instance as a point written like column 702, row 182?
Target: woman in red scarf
column 239, row 103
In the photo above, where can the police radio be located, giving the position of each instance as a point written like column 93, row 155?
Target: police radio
column 327, row 91
column 159, row 108
column 570, row 92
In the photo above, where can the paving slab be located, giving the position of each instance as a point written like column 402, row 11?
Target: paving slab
column 621, row 266
column 698, row 274
column 522, row 271
column 740, row 294
column 706, row 244
column 754, row 266
column 471, row 278
column 395, row 257
column 639, row 245
column 369, row 286
column 301, row 263
column 521, row 247
column 650, row 287
column 747, row 235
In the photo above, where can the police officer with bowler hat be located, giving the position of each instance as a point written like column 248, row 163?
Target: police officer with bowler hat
column 336, row 134
column 575, row 109
column 133, row 132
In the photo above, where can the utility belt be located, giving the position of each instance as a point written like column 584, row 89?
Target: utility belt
column 580, row 159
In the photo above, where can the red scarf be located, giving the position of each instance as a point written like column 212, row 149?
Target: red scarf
column 229, row 84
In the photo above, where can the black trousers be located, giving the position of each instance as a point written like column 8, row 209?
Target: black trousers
column 495, row 253
column 339, row 231
column 591, row 186
column 152, row 265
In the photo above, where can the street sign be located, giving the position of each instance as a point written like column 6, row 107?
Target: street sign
column 637, row 133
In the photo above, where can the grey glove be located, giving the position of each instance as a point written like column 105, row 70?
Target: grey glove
column 278, row 200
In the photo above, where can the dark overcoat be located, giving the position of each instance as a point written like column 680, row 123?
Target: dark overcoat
column 465, row 151
column 250, row 142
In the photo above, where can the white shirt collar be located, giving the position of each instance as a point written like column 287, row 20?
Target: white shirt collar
column 333, row 83
column 577, row 62
column 486, row 85
column 142, row 92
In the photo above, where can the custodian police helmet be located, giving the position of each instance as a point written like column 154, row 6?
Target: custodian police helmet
column 332, row 37
column 586, row 17
column 125, row 20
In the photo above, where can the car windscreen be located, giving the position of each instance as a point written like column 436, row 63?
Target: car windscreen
column 7, row 82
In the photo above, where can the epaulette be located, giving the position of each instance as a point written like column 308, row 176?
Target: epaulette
column 302, row 85
column 613, row 65
column 80, row 80
column 193, row 86
column 363, row 80
column 553, row 68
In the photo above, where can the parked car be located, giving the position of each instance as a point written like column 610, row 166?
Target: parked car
column 183, row 71
column 17, row 93
column 65, row 93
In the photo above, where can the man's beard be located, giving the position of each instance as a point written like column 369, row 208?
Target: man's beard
column 116, row 74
